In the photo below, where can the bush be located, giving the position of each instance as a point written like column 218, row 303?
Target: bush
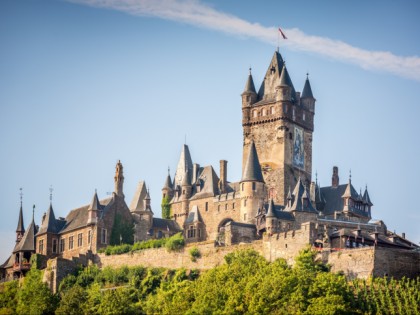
column 195, row 253
column 175, row 242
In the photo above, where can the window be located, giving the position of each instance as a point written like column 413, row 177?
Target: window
column 89, row 236
column 218, row 208
column 264, row 112
column 71, row 242
column 54, row 246
column 233, row 206
column 293, row 114
column 303, row 116
column 226, row 206
column 244, row 202
column 199, row 233
column 62, row 245
column 79, row 239
column 242, row 186
column 103, row 236
column 253, row 186
column 207, row 206
column 41, row 246
column 272, row 110
column 244, row 216
column 255, row 113
column 191, row 232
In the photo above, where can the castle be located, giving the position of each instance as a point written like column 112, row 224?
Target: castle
column 276, row 198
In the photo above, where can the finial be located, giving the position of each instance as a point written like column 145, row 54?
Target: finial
column 316, row 177
column 51, row 191
column 185, row 139
column 169, row 171
column 307, row 75
column 250, row 69
column 33, row 212
column 350, row 176
column 96, row 191
column 21, row 195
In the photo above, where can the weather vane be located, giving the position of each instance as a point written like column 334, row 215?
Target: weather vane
column 51, row 191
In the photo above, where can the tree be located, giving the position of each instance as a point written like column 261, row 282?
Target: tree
column 72, row 301
column 8, row 297
column 34, row 297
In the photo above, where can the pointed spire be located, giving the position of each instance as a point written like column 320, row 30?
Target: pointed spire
column 350, row 192
column 168, row 181
column 184, row 164
column 283, row 77
column 94, row 205
column 186, row 181
column 49, row 223
column 301, row 201
column 366, row 197
column 20, row 229
column 249, row 86
column 307, row 90
column 252, row 170
column 270, row 210
column 147, row 195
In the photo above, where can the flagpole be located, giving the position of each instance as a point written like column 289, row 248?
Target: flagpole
column 278, row 41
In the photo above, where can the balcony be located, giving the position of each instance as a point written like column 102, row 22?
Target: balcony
column 21, row 266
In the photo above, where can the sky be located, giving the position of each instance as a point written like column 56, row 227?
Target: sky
column 85, row 83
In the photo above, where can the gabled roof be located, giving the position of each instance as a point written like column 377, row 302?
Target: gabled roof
column 209, row 180
column 137, row 204
column 350, row 192
column 194, row 216
column 249, row 86
column 20, row 227
column 27, row 243
column 279, row 212
column 165, row 224
column 78, row 218
column 299, row 195
column 252, row 170
column 49, row 223
column 307, row 91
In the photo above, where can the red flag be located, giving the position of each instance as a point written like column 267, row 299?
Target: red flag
column 282, row 34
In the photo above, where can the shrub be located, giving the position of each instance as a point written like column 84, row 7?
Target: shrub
column 175, row 242
column 195, row 253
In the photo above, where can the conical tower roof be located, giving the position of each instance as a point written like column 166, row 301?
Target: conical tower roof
column 270, row 210
column 186, row 181
column 252, row 170
column 137, row 204
column 366, row 197
column 94, row 205
column 49, row 224
column 20, row 227
column 27, row 243
column 184, row 164
column 168, row 183
column 284, row 77
column 249, row 86
column 307, row 91
column 350, row 192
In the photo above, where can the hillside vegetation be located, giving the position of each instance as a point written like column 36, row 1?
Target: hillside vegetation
column 245, row 284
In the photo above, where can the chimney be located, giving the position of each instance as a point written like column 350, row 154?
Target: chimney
column 403, row 235
column 223, row 176
column 335, row 179
column 312, row 192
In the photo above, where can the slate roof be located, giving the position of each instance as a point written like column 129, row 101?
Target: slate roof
column 299, row 194
column 186, row 181
column 270, row 210
column 307, row 91
column 164, row 224
column 137, row 204
column 193, row 216
column 168, row 182
column 20, row 227
column 95, row 204
column 249, row 86
column 78, row 218
column 49, row 223
column 366, row 198
column 272, row 79
column 27, row 243
column 184, row 164
column 209, row 180
column 252, row 170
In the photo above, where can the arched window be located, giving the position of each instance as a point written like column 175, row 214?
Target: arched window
column 272, row 110
column 264, row 111
column 255, row 113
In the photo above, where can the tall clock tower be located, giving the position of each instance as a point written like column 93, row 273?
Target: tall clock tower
column 280, row 122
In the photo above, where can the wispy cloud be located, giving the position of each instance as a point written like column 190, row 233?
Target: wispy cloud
column 199, row 14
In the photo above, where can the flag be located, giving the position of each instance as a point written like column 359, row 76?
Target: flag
column 282, row 34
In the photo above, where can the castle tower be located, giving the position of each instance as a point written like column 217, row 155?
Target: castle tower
column 186, row 190
column 270, row 219
column 280, row 123
column 251, row 187
column 119, row 180
column 184, row 164
column 167, row 189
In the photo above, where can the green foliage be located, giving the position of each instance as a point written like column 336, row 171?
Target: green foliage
column 122, row 231
column 175, row 242
column 8, row 297
column 166, row 208
column 194, row 253
column 72, row 301
column 34, row 297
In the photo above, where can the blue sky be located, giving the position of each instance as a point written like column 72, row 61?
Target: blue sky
column 84, row 83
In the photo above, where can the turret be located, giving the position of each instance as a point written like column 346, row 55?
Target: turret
column 249, row 95
column 148, row 213
column 284, row 90
column 307, row 98
column 252, row 187
column 167, row 190
column 270, row 219
column 119, row 180
column 93, row 210
column 186, row 186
